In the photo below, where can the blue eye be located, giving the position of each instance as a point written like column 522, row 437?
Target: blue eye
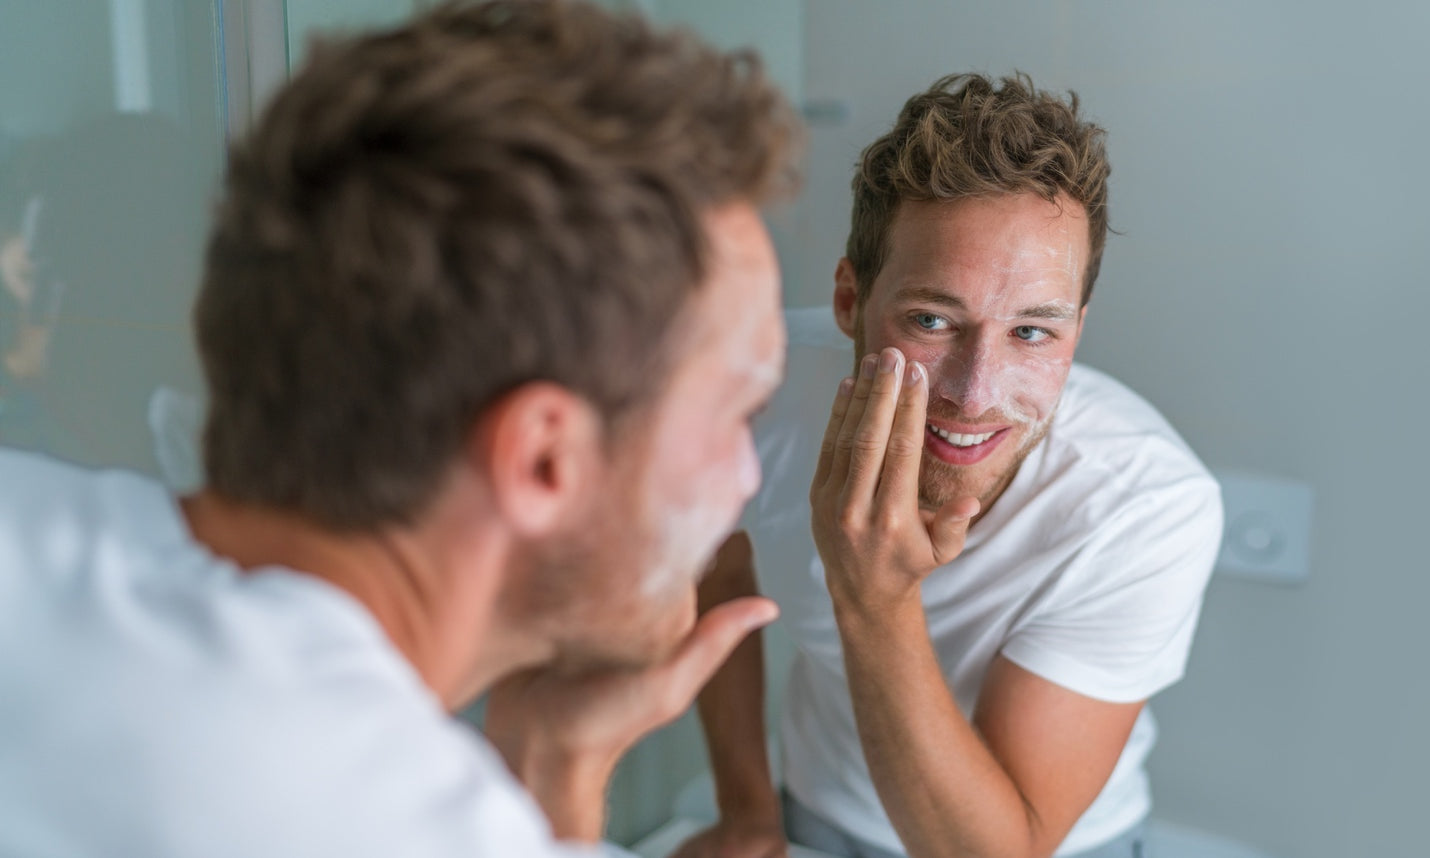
column 1031, row 333
column 930, row 322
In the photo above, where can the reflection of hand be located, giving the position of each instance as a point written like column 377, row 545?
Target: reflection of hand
column 26, row 359
column 737, row 839
column 876, row 543
column 16, row 270
column 562, row 733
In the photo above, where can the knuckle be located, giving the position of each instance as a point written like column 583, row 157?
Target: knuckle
column 888, row 522
column 903, row 446
column 867, row 443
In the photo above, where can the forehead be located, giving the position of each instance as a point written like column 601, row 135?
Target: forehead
column 734, row 323
column 1017, row 241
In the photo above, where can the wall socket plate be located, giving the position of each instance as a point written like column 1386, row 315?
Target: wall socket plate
column 1267, row 533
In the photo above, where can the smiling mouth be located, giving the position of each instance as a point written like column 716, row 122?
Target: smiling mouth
column 958, row 440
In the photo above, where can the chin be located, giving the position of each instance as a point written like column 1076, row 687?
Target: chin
column 940, row 484
column 634, row 636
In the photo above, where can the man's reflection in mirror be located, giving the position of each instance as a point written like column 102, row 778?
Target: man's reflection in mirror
column 29, row 306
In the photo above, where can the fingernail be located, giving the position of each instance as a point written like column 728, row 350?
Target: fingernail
column 846, row 386
column 916, row 372
column 888, row 360
column 768, row 614
column 866, row 367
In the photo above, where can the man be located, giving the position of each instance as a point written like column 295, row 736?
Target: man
column 486, row 312
column 1007, row 551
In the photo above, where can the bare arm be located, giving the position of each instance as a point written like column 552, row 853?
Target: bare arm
column 732, row 704
column 732, row 711
column 1010, row 782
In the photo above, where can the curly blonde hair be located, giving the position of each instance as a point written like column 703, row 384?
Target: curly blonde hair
column 965, row 137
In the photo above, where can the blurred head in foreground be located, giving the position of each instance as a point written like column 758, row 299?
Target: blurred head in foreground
column 494, row 286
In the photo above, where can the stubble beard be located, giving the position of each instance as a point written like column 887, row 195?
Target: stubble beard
column 941, row 482
column 585, row 593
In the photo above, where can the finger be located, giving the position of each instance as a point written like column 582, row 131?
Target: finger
column 899, row 483
column 949, row 528
column 716, row 634
column 871, row 437
column 831, row 432
column 853, row 413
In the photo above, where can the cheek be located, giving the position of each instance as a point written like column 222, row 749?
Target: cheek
column 717, row 476
column 1037, row 382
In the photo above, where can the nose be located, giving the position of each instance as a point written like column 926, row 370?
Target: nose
column 968, row 376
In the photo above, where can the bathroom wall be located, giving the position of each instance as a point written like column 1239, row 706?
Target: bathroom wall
column 1264, row 290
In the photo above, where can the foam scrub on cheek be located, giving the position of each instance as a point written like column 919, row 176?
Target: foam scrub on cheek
column 685, row 539
column 1006, row 387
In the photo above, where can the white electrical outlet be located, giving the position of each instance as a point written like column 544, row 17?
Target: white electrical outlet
column 1267, row 536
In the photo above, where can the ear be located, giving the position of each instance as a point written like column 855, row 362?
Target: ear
column 846, row 298
column 541, row 447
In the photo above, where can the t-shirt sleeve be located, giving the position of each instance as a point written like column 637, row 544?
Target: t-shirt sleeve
column 1119, row 626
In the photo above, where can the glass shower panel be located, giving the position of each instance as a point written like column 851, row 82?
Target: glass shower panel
column 111, row 138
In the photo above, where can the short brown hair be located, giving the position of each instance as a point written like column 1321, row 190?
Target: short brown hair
column 426, row 218
column 964, row 137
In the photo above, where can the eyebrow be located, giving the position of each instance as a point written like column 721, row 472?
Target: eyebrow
column 1060, row 311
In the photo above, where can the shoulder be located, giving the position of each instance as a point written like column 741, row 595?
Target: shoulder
column 1112, row 477
column 54, row 516
column 36, row 484
column 373, row 765
column 1116, row 451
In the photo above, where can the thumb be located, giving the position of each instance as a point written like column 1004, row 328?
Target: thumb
column 714, row 637
column 949, row 528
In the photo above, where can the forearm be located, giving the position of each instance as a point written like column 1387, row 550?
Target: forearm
column 732, row 704
column 944, row 791
column 732, row 712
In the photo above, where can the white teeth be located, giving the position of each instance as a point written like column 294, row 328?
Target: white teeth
column 958, row 440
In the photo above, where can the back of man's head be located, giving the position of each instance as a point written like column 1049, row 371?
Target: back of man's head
column 427, row 218
column 966, row 136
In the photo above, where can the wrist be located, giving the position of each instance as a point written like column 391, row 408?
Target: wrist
column 571, row 789
column 757, row 807
column 860, row 610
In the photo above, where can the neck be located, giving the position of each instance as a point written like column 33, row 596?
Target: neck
column 431, row 587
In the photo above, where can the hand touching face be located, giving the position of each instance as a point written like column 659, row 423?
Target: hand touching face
column 876, row 542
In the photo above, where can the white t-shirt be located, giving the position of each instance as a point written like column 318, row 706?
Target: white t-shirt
column 1088, row 572
column 154, row 701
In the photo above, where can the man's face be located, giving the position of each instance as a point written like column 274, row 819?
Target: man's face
column 985, row 293
column 689, row 465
